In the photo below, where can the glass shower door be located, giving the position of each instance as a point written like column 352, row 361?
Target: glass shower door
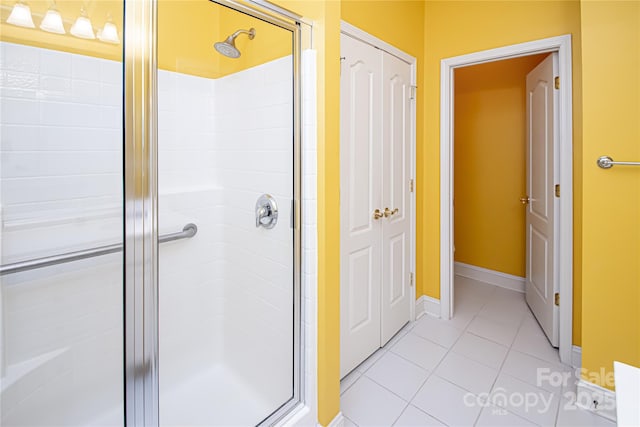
column 61, row 213
column 228, row 303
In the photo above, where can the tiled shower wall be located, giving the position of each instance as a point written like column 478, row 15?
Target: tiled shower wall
column 254, row 156
column 60, row 190
column 225, row 294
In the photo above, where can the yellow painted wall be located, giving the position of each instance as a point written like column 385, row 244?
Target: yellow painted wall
column 490, row 155
column 460, row 27
column 401, row 24
column 97, row 10
column 611, row 213
column 187, row 30
column 326, row 40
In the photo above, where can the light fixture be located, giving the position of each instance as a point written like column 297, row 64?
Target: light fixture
column 21, row 16
column 82, row 28
column 109, row 33
column 52, row 21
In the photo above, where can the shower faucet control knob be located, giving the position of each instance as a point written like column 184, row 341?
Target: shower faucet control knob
column 266, row 212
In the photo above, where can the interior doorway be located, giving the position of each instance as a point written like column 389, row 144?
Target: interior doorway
column 561, row 174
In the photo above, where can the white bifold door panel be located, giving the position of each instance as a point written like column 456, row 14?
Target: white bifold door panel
column 396, row 173
column 375, row 173
column 541, row 283
column 360, row 167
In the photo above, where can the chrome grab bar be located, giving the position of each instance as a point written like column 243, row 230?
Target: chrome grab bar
column 187, row 232
column 606, row 162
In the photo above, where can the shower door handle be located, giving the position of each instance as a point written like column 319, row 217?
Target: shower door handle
column 266, row 212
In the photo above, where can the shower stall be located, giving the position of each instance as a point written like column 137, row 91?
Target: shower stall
column 150, row 207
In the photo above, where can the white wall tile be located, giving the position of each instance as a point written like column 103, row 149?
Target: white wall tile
column 85, row 92
column 18, row 111
column 111, row 72
column 86, row 68
column 19, row 58
column 61, row 158
column 55, row 63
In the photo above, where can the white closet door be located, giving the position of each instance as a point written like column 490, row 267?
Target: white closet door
column 360, row 195
column 396, row 172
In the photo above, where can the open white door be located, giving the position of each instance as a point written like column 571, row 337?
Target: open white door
column 360, row 171
column 396, row 172
column 542, row 125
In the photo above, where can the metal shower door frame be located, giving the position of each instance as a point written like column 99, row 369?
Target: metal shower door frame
column 141, row 389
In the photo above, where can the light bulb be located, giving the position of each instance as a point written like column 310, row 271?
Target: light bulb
column 52, row 22
column 109, row 33
column 21, row 16
column 83, row 28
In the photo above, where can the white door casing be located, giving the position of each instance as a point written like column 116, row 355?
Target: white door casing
column 540, row 283
column 396, row 174
column 564, row 150
column 360, row 135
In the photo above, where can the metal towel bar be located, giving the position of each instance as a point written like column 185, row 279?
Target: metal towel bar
column 606, row 162
column 187, row 232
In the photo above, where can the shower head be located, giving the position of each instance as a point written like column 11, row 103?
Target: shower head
column 228, row 47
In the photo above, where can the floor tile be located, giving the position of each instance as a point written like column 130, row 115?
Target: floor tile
column 398, row 336
column 413, row 417
column 504, row 294
column 362, row 368
column 571, row 415
column 502, row 333
column 481, row 350
column 369, row 404
column 537, row 372
column 502, row 349
column 420, row 351
column 527, row 401
column 466, row 373
column 467, row 289
column 505, row 310
column 349, row 423
column 532, row 340
column 463, row 314
column 349, row 380
column 493, row 416
column 398, row 375
column 446, row 402
column 436, row 330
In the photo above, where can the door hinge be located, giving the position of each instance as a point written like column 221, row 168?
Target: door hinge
column 557, row 190
column 411, row 279
column 556, row 298
column 411, row 185
column 557, row 82
column 342, row 58
column 413, row 92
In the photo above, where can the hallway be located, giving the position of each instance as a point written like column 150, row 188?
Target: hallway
column 491, row 365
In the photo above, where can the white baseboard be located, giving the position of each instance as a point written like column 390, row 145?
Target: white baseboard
column 427, row 305
column 496, row 278
column 576, row 357
column 337, row 421
column 419, row 308
column 596, row 399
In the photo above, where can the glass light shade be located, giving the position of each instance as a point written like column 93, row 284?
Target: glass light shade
column 109, row 33
column 52, row 22
column 21, row 16
column 82, row 28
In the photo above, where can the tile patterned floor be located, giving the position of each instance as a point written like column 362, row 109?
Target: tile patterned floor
column 485, row 367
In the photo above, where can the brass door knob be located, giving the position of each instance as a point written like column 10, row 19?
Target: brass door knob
column 388, row 212
column 525, row 200
column 377, row 214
